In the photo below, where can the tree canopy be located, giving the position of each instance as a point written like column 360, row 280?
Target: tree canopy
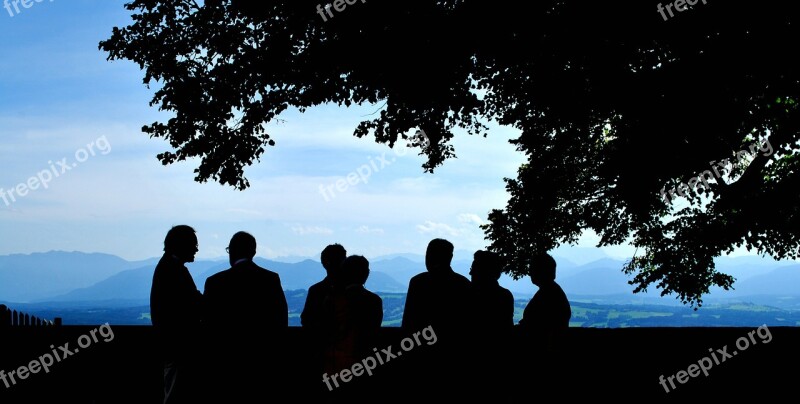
column 617, row 103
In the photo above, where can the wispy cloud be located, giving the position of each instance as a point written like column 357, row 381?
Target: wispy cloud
column 368, row 230
column 438, row 229
column 470, row 218
column 307, row 230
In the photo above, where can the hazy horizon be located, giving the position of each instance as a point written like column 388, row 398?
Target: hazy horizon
column 561, row 252
column 581, row 271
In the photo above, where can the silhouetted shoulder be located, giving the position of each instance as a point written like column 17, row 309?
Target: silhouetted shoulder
column 548, row 309
column 320, row 287
column 364, row 298
column 456, row 282
column 261, row 271
column 269, row 274
column 507, row 294
column 461, row 279
column 217, row 278
column 421, row 277
column 372, row 297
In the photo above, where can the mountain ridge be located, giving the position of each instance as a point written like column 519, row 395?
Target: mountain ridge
column 77, row 276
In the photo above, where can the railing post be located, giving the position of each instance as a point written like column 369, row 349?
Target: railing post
column 13, row 318
column 5, row 317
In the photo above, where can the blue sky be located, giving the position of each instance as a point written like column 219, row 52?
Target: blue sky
column 58, row 94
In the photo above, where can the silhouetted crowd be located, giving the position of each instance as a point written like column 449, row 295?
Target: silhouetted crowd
column 228, row 344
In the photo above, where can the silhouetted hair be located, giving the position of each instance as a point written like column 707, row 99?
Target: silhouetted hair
column 243, row 244
column 440, row 251
column 544, row 265
column 333, row 256
column 179, row 238
column 355, row 269
column 488, row 264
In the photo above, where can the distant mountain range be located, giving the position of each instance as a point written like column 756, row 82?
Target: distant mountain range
column 584, row 273
column 29, row 277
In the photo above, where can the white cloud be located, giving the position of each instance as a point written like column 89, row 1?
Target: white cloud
column 306, row 230
column 272, row 253
column 470, row 218
column 368, row 230
column 437, row 229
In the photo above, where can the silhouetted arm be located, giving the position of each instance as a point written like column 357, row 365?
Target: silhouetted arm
column 279, row 302
column 410, row 312
column 310, row 315
column 304, row 320
column 527, row 321
column 374, row 319
column 176, row 307
column 378, row 315
column 210, row 305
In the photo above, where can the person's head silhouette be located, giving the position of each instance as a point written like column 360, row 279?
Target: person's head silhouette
column 486, row 267
column 355, row 270
column 241, row 246
column 181, row 242
column 543, row 269
column 332, row 257
column 439, row 255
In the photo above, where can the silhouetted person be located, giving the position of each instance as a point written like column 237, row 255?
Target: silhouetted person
column 436, row 297
column 439, row 298
column 312, row 317
column 175, row 311
column 247, row 317
column 544, row 324
column 353, row 317
column 492, row 323
column 493, row 304
column 332, row 257
column 546, row 317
